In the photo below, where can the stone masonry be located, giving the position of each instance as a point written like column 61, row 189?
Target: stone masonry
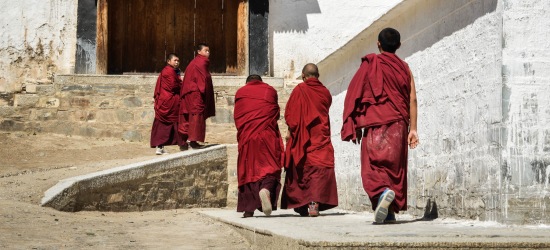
column 182, row 180
column 114, row 106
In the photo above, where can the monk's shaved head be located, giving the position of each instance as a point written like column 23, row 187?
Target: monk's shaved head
column 310, row 70
column 253, row 77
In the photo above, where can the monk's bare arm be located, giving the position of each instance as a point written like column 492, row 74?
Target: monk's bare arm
column 413, row 134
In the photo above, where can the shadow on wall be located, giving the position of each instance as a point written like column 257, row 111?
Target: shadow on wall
column 422, row 23
column 294, row 13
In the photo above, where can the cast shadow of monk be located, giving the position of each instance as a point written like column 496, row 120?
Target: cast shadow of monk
column 203, row 146
column 298, row 215
column 430, row 213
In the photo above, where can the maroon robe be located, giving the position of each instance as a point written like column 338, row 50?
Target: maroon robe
column 309, row 155
column 378, row 100
column 260, row 144
column 197, row 99
column 167, row 104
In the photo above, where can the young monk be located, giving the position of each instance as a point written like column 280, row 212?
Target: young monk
column 381, row 110
column 197, row 98
column 167, row 104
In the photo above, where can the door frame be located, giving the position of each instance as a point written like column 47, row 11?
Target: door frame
column 102, row 37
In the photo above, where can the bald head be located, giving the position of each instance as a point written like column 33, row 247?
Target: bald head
column 310, row 70
column 253, row 77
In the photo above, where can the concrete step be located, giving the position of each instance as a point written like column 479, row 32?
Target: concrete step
column 344, row 229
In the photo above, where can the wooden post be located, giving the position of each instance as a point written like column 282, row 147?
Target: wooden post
column 242, row 38
column 102, row 37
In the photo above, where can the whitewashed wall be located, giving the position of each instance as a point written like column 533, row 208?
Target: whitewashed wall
column 484, row 108
column 459, row 90
column 304, row 31
column 526, row 111
column 38, row 39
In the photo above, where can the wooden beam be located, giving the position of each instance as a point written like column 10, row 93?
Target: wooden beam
column 102, row 37
column 242, row 38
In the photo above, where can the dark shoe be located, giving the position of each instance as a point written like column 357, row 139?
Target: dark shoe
column 302, row 211
column 196, row 145
column 266, row 201
column 248, row 214
column 184, row 147
column 313, row 209
column 384, row 202
column 390, row 219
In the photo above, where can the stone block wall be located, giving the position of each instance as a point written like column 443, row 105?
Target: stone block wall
column 182, row 180
column 114, row 106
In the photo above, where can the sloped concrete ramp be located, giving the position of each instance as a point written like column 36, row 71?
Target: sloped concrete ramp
column 194, row 178
column 341, row 229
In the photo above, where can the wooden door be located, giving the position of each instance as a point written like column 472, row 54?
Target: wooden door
column 142, row 32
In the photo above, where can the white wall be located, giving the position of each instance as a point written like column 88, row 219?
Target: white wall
column 304, row 31
column 484, row 108
column 38, row 39
column 526, row 110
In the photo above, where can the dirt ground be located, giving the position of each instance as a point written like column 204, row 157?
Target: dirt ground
column 30, row 164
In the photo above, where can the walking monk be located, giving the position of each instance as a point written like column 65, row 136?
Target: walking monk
column 309, row 157
column 381, row 100
column 167, row 104
column 197, row 94
column 260, row 147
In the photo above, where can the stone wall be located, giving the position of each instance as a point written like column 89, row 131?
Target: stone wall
column 114, row 106
column 181, row 180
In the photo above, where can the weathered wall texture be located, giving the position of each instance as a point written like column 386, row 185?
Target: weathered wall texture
column 114, row 106
column 459, row 91
column 86, row 37
column 309, row 30
column 525, row 164
column 38, row 39
column 483, row 114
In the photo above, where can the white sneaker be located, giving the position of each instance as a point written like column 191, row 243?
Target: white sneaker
column 159, row 151
column 266, row 201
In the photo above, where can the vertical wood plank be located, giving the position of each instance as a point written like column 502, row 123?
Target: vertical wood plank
column 183, row 29
column 209, row 29
column 242, row 38
column 156, row 36
column 116, row 23
column 102, row 49
column 230, row 36
column 169, row 14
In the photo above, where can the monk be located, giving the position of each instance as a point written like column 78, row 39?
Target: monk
column 197, row 98
column 381, row 110
column 167, row 104
column 310, row 184
column 260, row 147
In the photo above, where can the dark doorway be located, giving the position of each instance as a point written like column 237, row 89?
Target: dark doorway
column 142, row 32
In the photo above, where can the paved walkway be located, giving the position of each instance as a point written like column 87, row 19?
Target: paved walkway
column 347, row 229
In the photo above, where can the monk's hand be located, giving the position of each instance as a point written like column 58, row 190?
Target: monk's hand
column 413, row 139
column 358, row 136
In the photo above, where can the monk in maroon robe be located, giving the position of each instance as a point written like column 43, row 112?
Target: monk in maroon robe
column 310, row 184
column 381, row 100
column 167, row 104
column 197, row 98
column 260, row 147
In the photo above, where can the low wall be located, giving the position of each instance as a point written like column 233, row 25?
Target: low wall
column 195, row 178
column 119, row 106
